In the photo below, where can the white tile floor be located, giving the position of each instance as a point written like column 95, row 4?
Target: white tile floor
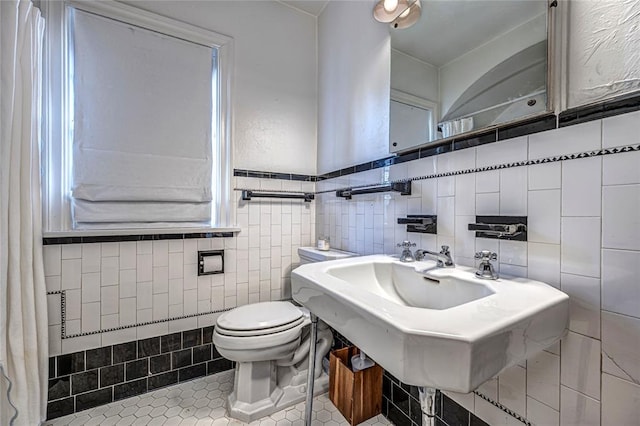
column 199, row 402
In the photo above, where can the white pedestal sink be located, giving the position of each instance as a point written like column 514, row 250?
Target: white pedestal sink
column 443, row 328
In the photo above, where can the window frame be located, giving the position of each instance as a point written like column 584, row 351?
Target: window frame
column 57, row 143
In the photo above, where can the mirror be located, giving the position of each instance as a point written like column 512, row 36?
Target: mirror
column 467, row 65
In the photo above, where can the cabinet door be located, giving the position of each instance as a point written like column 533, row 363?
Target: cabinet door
column 409, row 126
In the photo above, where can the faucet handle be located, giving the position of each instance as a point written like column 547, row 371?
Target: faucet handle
column 444, row 249
column 485, row 269
column 406, row 244
column 486, row 255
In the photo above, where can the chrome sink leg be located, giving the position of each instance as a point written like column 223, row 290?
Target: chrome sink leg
column 310, row 373
column 428, row 405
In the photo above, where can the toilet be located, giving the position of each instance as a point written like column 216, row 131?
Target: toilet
column 269, row 342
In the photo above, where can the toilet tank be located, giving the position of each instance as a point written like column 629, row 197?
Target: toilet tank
column 312, row 254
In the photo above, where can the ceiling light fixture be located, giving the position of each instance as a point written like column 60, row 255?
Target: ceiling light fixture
column 399, row 13
column 390, row 5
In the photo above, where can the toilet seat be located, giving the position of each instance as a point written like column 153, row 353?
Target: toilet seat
column 259, row 326
column 262, row 332
column 272, row 340
column 259, row 316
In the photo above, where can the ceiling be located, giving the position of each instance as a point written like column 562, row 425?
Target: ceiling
column 449, row 28
column 313, row 7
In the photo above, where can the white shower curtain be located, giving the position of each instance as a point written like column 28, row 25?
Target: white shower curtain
column 23, row 309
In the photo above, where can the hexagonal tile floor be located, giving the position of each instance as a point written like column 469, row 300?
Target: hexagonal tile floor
column 197, row 403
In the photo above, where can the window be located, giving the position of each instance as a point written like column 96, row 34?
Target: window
column 138, row 113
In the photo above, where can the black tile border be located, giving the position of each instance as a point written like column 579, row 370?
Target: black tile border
column 554, row 159
column 528, row 127
column 273, row 175
column 615, row 106
column 133, row 237
column 83, row 384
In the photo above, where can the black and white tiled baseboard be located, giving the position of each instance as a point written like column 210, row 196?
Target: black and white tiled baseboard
column 87, row 379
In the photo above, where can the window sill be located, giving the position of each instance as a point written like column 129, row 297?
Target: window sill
column 116, row 235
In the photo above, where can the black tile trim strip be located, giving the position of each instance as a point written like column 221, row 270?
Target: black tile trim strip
column 499, row 133
column 608, row 108
column 63, row 319
column 133, row 237
column 503, row 408
column 615, row 106
column 63, row 310
column 530, row 126
column 263, row 190
column 555, row 159
column 273, row 175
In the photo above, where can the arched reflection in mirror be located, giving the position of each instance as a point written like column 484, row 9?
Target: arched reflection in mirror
column 473, row 64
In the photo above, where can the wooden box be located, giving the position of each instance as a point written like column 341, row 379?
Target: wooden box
column 357, row 395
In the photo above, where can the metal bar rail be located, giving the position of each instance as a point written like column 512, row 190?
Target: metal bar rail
column 248, row 194
column 404, row 188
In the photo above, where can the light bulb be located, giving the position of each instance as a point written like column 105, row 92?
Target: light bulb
column 390, row 5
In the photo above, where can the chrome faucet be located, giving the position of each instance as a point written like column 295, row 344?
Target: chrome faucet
column 444, row 257
column 485, row 268
column 406, row 255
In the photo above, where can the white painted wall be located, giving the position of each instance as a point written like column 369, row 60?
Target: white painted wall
column 275, row 92
column 459, row 74
column 603, row 50
column 412, row 76
column 353, row 86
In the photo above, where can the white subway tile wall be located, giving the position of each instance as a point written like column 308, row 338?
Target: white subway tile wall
column 584, row 238
column 619, row 401
column 580, row 364
column 510, row 386
column 584, row 233
column 580, row 410
column 540, row 414
column 620, row 346
column 113, row 285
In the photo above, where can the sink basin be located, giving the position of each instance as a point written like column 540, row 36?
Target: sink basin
column 436, row 327
column 431, row 288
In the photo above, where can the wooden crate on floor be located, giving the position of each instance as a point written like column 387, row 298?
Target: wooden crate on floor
column 357, row 395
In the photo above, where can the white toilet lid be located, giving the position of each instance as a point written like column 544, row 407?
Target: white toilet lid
column 259, row 316
column 252, row 333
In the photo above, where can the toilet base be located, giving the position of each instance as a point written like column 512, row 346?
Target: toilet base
column 279, row 399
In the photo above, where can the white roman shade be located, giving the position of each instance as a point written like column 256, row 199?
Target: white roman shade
column 143, row 108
